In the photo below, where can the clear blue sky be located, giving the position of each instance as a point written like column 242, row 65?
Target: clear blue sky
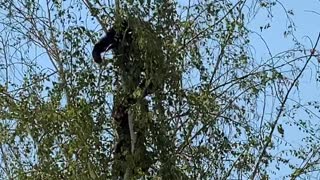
column 307, row 25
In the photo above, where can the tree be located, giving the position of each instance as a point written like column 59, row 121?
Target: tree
column 208, row 115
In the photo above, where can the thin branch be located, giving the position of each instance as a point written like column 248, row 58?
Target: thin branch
column 283, row 103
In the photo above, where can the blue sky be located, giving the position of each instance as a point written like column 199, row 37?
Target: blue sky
column 307, row 27
column 307, row 24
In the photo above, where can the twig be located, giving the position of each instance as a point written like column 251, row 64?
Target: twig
column 274, row 125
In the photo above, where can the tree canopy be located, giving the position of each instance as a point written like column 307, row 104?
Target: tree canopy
column 217, row 110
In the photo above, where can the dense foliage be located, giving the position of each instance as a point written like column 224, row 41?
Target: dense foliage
column 218, row 111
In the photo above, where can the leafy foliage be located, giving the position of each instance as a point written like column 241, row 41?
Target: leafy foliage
column 218, row 111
